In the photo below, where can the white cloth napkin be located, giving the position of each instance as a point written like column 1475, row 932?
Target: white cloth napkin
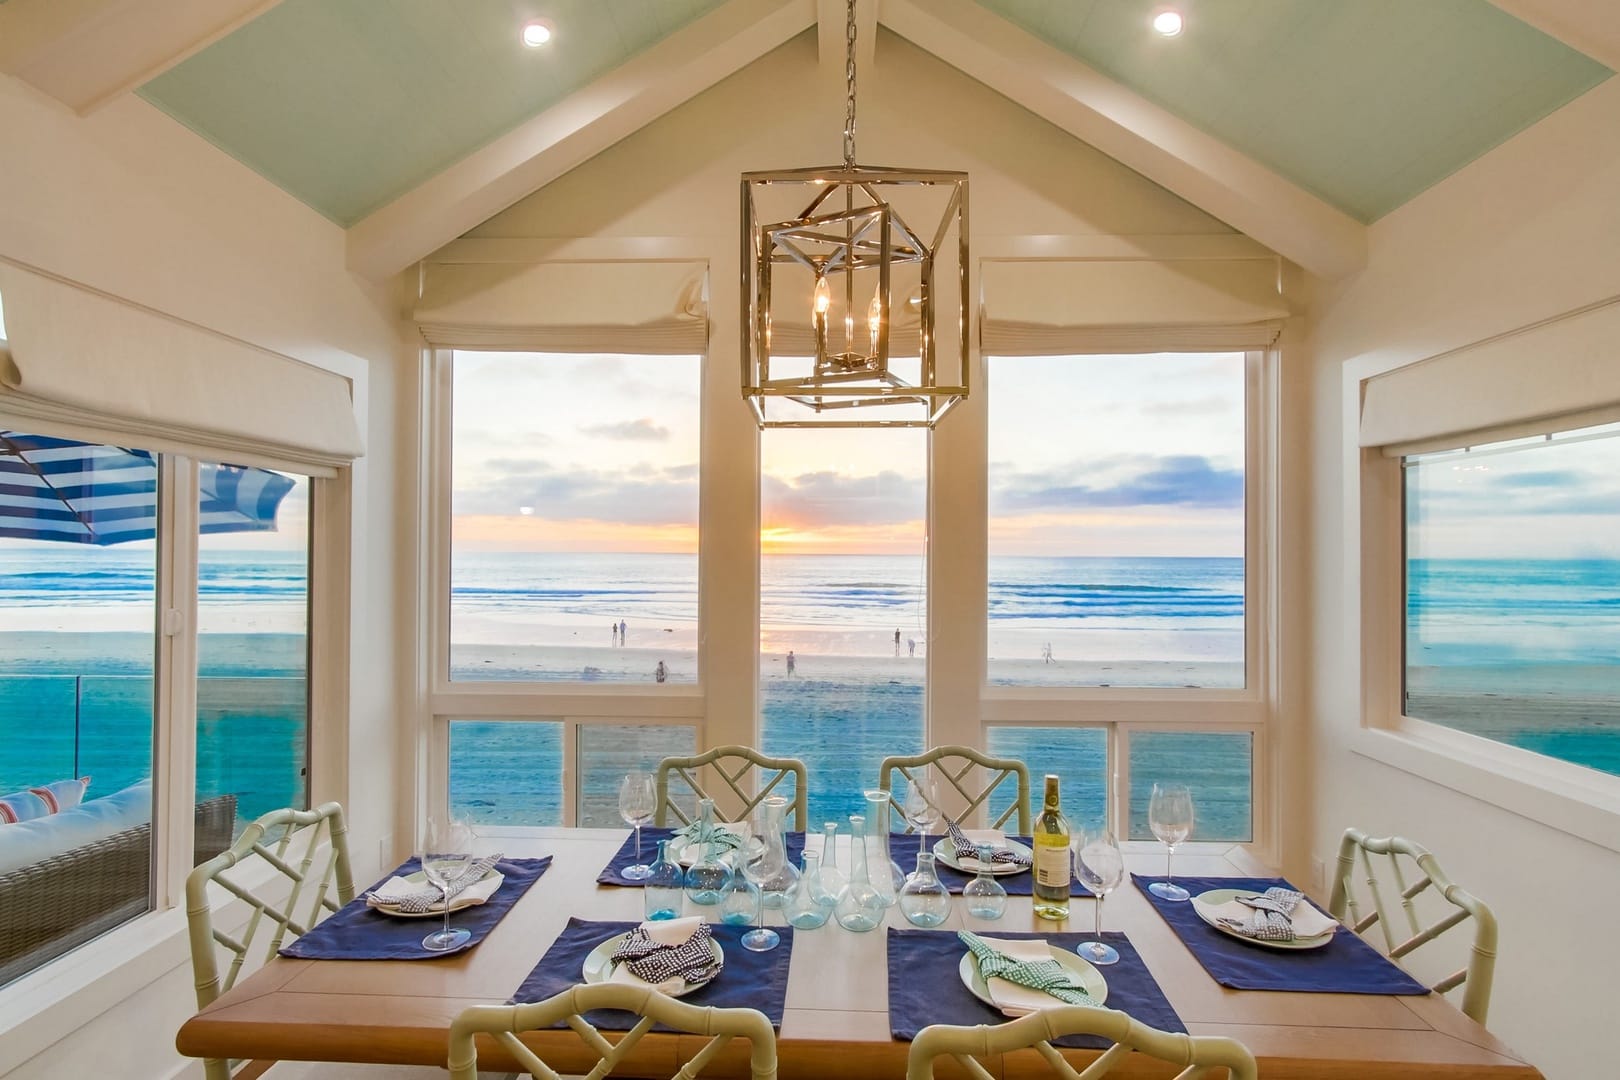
column 1010, row 998
column 1308, row 922
column 388, row 895
column 993, row 839
column 669, row 932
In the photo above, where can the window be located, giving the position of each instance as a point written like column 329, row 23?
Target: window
column 574, row 518
column 1512, row 606
column 506, row 772
column 1117, row 520
column 843, row 616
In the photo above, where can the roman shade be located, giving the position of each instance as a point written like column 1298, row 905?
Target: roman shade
column 566, row 307
column 1553, row 376
column 1053, row 307
column 91, row 365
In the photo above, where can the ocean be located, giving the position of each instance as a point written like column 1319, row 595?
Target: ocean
column 1526, row 652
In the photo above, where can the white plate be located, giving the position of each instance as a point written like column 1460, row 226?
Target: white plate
column 599, row 966
column 945, row 852
column 1088, row 976
column 1216, row 897
column 686, row 853
column 457, row 903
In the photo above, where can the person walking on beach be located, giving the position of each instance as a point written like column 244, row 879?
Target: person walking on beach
column 624, row 633
column 613, row 629
column 1046, row 654
column 790, row 661
column 897, row 641
column 660, row 673
column 911, row 646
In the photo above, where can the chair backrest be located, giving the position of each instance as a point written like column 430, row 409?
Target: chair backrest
column 1199, row 1053
column 505, row 1022
column 954, row 766
column 1476, row 976
column 731, row 764
column 273, row 838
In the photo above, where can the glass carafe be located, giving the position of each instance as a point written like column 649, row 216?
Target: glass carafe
column 887, row 877
column 707, row 875
column 807, row 906
column 739, row 900
column 662, row 890
column 984, row 896
column 774, row 889
column 924, row 900
column 829, row 881
column 860, row 906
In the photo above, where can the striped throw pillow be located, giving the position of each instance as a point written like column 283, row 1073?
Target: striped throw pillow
column 38, row 802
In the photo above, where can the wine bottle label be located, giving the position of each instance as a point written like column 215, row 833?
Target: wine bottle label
column 1052, row 866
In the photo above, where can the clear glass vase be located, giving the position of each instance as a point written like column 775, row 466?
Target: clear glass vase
column 807, row 908
column 772, row 834
column 707, row 875
column 829, row 881
column 664, row 887
column 924, row 900
column 887, row 877
column 739, row 900
column 860, row 906
column 984, row 896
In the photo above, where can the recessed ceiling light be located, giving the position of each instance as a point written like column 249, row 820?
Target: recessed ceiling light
column 1167, row 22
column 536, row 34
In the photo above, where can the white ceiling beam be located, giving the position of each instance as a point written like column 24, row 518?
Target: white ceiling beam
column 832, row 28
column 571, row 132
column 1588, row 26
column 84, row 53
column 1135, row 132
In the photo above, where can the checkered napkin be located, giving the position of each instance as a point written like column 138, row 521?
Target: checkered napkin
column 668, row 954
column 1045, row 975
column 968, row 849
column 419, row 900
column 1271, row 915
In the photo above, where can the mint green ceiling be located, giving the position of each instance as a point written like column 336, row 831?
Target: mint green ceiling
column 1364, row 102
column 347, row 104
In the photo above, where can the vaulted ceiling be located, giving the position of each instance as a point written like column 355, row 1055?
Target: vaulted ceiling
column 405, row 120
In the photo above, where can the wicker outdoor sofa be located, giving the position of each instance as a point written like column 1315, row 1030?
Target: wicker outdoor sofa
column 61, row 902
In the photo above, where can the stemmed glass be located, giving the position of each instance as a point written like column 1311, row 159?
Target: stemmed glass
column 637, row 801
column 761, row 863
column 1100, row 867
column 921, row 803
column 446, row 853
column 1170, row 816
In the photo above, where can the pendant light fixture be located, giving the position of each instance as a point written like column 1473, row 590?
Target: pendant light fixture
column 848, row 271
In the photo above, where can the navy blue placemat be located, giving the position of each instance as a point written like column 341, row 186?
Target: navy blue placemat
column 925, row 987
column 1347, row 965
column 903, row 850
column 613, row 872
column 359, row 933
column 750, row 980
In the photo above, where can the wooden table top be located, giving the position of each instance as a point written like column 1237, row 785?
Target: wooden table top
column 836, row 1022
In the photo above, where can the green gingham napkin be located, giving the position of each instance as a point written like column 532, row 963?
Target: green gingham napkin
column 1045, row 975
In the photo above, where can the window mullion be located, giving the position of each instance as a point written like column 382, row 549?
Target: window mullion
column 174, row 759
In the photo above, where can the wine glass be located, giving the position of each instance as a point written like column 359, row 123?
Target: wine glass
column 446, row 853
column 761, row 863
column 921, row 803
column 1170, row 816
column 637, row 801
column 1100, row 867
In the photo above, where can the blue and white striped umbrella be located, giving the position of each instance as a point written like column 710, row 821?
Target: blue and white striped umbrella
column 84, row 493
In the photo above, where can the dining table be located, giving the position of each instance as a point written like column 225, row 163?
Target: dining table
column 835, row 1020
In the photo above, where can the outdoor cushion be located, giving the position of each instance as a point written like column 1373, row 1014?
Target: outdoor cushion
column 38, row 802
column 28, row 842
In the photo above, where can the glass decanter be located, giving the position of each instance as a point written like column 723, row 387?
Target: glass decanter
column 860, row 906
column 887, row 877
column 739, row 900
column 984, row 896
column 829, row 881
column 782, row 875
column 662, row 889
column 707, row 875
column 807, row 907
column 924, row 900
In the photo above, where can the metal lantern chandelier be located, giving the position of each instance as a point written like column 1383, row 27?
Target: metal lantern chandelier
column 842, row 292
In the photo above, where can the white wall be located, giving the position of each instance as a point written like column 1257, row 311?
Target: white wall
column 1527, row 232
column 130, row 202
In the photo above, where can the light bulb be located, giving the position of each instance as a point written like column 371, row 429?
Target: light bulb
column 536, row 34
column 874, row 319
column 823, row 296
column 1168, row 22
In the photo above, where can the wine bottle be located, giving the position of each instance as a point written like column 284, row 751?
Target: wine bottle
column 1052, row 867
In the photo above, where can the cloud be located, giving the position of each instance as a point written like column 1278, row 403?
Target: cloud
column 1204, row 406
column 1135, row 480
column 642, row 430
column 1549, row 478
column 631, row 496
column 832, row 498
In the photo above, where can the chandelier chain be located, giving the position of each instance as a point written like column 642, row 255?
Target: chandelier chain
column 849, row 85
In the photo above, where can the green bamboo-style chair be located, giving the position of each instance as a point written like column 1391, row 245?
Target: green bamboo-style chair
column 506, row 1022
column 731, row 765
column 298, row 888
column 1475, row 978
column 1199, row 1053
column 955, row 765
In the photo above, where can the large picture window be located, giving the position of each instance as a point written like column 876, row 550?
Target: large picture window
column 1513, row 593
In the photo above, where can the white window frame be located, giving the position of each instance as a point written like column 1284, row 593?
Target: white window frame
column 1559, row 794
column 42, row 1006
